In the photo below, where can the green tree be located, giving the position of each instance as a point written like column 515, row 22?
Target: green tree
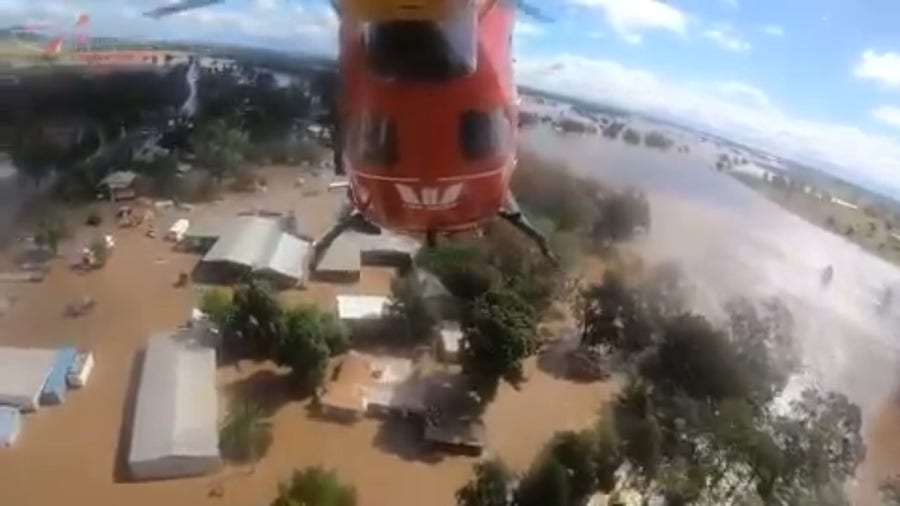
column 461, row 267
column 50, row 230
column 577, row 453
column 696, row 358
column 245, row 436
column 545, row 483
column 255, row 326
column 612, row 314
column 498, row 333
column 631, row 137
column 410, row 310
column 490, row 487
column 315, row 486
column 304, row 347
column 620, row 216
column 218, row 306
column 219, row 148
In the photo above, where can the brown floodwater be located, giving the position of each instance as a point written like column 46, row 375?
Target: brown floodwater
column 71, row 453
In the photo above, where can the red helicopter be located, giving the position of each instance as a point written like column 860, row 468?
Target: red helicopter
column 426, row 120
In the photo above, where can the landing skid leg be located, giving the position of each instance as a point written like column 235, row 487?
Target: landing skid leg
column 514, row 215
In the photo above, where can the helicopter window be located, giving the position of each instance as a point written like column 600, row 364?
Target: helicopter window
column 376, row 140
column 483, row 133
column 424, row 50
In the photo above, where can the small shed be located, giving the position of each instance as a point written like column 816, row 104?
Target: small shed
column 10, row 425
column 177, row 230
column 23, row 372
column 119, row 185
column 54, row 391
column 80, row 370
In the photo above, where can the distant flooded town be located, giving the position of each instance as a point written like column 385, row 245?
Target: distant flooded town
column 164, row 336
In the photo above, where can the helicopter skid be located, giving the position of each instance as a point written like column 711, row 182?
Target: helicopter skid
column 353, row 219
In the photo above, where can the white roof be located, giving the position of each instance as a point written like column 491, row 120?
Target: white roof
column 23, row 372
column 451, row 335
column 357, row 307
column 180, row 226
column 177, row 405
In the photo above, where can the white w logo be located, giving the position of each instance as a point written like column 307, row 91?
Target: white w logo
column 430, row 197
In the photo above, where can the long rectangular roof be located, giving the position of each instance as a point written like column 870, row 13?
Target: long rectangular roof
column 23, row 372
column 176, row 412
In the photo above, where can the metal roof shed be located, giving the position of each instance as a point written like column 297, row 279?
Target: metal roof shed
column 23, row 372
column 175, row 420
column 10, row 425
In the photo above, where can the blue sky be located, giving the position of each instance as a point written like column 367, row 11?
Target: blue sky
column 817, row 80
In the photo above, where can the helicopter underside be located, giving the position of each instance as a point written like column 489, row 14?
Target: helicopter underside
column 353, row 219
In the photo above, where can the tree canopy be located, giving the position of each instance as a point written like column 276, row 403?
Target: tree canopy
column 315, row 486
column 491, row 486
column 498, row 333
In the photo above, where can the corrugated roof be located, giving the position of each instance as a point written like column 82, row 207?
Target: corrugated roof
column 245, row 241
column 23, row 372
column 177, row 405
column 206, row 228
column 356, row 307
column 289, row 257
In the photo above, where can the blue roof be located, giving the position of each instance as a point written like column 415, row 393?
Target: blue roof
column 56, row 381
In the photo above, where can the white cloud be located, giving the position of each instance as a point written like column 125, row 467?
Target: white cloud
column 887, row 114
column 630, row 18
column 265, row 5
column 773, row 30
column 526, row 28
column 739, row 110
column 881, row 67
column 726, row 37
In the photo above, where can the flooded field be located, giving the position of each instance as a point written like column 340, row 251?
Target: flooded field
column 731, row 240
column 73, row 452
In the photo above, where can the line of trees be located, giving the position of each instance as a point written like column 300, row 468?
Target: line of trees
column 695, row 423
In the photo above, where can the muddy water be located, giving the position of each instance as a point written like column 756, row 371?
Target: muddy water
column 731, row 240
column 71, row 453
